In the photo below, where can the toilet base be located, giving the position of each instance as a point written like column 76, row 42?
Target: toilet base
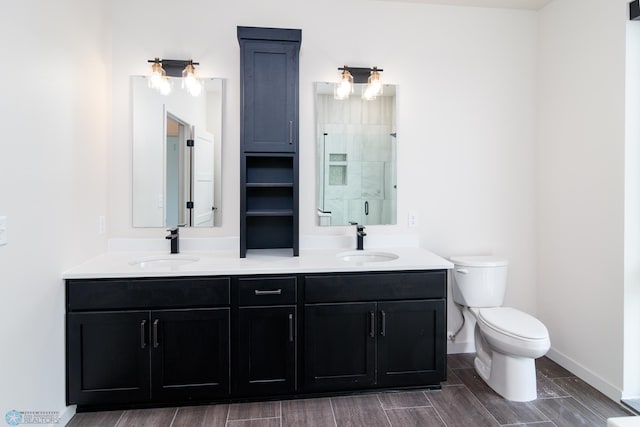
column 514, row 378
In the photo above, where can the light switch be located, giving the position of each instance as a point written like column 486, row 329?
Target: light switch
column 102, row 224
column 413, row 218
column 3, row 230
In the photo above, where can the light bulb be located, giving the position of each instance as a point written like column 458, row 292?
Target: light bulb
column 190, row 80
column 165, row 86
column 195, row 89
column 157, row 74
column 374, row 85
column 344, row 87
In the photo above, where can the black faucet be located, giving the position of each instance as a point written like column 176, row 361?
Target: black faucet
column 359, row 234
column 173, row 236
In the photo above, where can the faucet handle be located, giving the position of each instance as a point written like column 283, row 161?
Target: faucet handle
column 359, row 227
column 173, row 230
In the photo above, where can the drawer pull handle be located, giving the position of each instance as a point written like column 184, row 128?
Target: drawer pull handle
column 155, row 333
column 372, row 324
column 290, row 327
column 143, row 334
column 272, row 292
column 383, row 330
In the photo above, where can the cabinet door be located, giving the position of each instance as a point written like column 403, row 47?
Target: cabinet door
column 189, row 354
column 266, row 351
column 269, row 75
column 339, row 352
column 411, row 343
column 107, row 357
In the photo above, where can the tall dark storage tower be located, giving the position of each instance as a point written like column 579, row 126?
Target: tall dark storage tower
column 268, row 138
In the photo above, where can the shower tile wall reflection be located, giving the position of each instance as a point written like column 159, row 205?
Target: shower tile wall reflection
column 357, row 159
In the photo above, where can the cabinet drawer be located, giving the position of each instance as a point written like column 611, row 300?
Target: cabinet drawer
column 375, row 286
column 147, row 293
column 266, row 290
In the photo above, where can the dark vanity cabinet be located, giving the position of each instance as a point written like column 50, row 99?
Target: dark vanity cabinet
column 147, row 340
column 182, row 340
column 269, row 138
column 374, row 330
column 265, row 336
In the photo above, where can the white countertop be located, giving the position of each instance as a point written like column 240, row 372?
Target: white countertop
column 227, row 262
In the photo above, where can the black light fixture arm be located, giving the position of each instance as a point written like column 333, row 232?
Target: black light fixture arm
column 173, row 67
column 360, row 74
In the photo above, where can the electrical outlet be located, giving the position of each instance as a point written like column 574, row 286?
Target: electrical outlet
column 102, row 224
column 3, row 231
column 413, row 218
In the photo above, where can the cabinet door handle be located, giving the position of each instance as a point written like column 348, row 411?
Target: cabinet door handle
column 383, row 330
column 366, row 208
column 272, row 292
column 290, row 131
column 372, row 324
column 290, row 327
column 143, row 334
column 155, row 333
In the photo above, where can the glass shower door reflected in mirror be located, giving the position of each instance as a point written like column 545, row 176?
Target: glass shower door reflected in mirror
column 356, row 154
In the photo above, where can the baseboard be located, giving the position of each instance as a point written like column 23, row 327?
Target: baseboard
column 456, row 347
column 587, row 375
column 65, row 416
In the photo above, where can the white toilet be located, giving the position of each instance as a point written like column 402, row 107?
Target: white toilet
column 507, row 340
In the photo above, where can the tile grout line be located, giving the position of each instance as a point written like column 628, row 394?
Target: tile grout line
column 335, row 420
column 435, row 409
column 175, row 414
column 251, row 419
column 118, row 420
column 383, row 410
column 597, row 414
column 281, row 417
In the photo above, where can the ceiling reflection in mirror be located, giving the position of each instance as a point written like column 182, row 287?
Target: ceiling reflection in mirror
column 177, row 150
column 356, row 150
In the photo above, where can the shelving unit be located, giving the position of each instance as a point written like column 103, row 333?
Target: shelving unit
column 269, row 138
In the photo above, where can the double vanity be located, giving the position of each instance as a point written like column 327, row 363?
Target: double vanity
column 255, row 322
column 147, row 329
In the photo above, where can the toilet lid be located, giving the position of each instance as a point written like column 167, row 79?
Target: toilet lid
column 513, row 322
column 479, row 261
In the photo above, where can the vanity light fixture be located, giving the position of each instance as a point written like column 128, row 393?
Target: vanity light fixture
column 158, row 79
column 344, row 87
column 161, row 69
column 190, row 80
column 351, row 75
column 374, row 85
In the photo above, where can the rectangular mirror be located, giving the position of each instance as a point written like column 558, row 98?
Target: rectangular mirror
column 356, row 148
column 177, row 147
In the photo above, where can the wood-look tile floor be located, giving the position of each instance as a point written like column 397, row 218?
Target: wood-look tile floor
column 465, row 400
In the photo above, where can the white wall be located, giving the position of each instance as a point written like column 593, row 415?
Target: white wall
column 632, row 216
column 55, row 107
column 580, row 186
column 466, row 111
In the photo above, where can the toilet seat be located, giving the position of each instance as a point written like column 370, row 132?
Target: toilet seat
column 513, row 323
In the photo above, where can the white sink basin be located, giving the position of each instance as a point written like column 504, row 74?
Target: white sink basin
column 366, row 256
column 160, row 261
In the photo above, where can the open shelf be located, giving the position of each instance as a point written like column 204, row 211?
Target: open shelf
column 269, row 169
column 269, row 232
column 270, row 213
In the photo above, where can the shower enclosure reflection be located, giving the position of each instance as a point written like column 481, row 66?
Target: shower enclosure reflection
column 356, row 157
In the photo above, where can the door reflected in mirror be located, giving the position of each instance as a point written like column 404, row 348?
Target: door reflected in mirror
column 356, row 150
column 177, row 147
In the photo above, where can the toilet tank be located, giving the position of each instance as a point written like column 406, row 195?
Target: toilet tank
column 479, row 281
